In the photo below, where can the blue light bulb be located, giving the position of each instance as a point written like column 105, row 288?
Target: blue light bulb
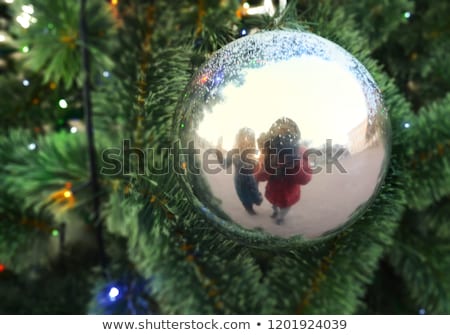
column 113, row 293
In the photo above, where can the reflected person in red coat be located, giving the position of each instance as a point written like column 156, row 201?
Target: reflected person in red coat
column 284, row 166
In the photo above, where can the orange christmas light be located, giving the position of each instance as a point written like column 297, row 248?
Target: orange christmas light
column 64, row 197
column 70, row 38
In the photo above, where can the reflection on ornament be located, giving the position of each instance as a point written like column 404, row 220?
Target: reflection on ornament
column 291, row 134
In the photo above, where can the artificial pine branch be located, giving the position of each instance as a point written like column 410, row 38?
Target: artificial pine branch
column 428, row 160
column 421, row 258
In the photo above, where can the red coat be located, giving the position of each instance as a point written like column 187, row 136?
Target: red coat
column 285, row 191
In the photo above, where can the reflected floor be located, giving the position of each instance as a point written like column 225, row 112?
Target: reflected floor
column 326, row 202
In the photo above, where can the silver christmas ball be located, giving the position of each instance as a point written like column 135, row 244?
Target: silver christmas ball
column 283, row 134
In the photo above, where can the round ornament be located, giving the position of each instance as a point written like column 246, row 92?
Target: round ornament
column 283, row 135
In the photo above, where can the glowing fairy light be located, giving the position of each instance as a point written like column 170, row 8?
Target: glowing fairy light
column 267, row 8
column 25, row 19
column 113, row 293
column 63, row 104
column 28, row 9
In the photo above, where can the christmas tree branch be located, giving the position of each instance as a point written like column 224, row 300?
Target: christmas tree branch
column 429, row 158
column 421, row 258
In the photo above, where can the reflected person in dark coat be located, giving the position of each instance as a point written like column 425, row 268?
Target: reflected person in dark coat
column 244, row 165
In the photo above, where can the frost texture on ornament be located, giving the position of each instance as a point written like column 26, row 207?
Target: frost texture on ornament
column 273, row 47
column 304, row 120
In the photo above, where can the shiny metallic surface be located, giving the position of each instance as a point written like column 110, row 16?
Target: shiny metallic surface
column 280, row 91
